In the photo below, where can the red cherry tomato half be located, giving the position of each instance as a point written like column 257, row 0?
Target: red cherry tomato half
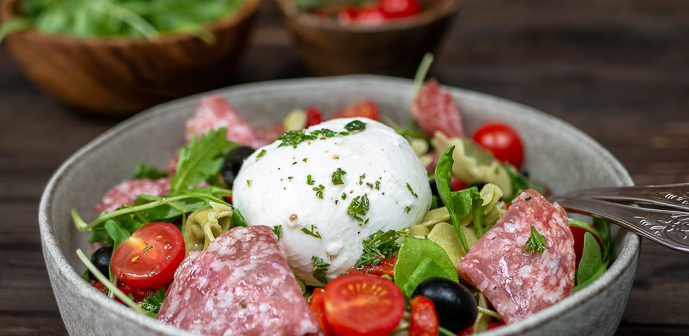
column 137, row 294
column 362, row 304
column 314, row 116
column 318, row 309
column 364, row 108
column 424, row 319
column 385, row 267
column 149, row 258
column 503, row 141
column 578, row 234
column 395, row 9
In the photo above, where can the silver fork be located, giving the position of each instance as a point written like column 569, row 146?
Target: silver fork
column 657, row 212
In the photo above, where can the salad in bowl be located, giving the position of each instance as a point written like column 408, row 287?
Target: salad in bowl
column 340, row 224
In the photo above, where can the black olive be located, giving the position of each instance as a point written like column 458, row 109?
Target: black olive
column 233, row 161
column 478, row 185
column 101, row 259
column 434, row 188
column 455, row 305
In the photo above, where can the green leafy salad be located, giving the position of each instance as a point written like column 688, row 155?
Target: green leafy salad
column 119, row 18
column 379, row 230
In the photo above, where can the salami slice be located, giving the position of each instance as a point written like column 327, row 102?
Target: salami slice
column 434, row 109
column 240, row 285
column 516, row 282
column 127, row 191
column 215, row 112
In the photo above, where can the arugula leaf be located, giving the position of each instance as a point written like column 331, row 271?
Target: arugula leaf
column 116, row 233
column 458, row 203
column 379, row 246
column 536, row 242
column 201, row 159
column 151, row 304
column 144, row 171
column 418, row 260
column 591, row 265
column 238, row 219
column 320, row 267
column 603, row 228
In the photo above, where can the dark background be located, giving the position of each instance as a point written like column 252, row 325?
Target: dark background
column 617, row 69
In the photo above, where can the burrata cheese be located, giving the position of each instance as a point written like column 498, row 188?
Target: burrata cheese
column 331, row 191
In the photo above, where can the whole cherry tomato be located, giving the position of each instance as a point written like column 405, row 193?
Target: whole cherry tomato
column 503, row 141
column 396, row 9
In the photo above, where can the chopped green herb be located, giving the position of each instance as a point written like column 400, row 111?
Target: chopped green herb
column 152, row 303
column 344, row 196
column 377, row 185
column 277, row 229
column 379, row 246
column 312, row 232
column 407, row 209
column 309, row 180
column 361, row 179
column 355, row 126
column 412, row 191
column 337, row 176
column 294, row 138
column 536, row 242
column 358, row 208
column 147, row 248
column 319, row 191
column 305, row 159
column 248, row 183
column 324, row 132
column 320, row 267
column 260, row 154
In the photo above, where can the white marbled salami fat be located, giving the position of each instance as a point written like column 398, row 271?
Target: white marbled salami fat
column 240, row 285
column 516, row 282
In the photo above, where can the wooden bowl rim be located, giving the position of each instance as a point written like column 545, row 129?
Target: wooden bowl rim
column 444, row 9
column 244, row 12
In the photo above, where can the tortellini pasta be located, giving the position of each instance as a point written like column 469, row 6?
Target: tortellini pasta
column 473, row 164
column 493, row 204
column 204, row 225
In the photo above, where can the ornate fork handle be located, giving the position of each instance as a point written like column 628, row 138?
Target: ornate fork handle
column 666, row 227
column 670, row 195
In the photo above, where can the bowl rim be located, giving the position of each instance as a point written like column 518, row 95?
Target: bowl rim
column 244, row 12
column 447, row 8
column 627, row 256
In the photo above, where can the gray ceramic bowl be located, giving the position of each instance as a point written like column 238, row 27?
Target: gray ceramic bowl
column 557, row 154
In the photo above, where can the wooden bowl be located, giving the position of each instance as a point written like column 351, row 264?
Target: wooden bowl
column 392, row 48
column 121, row 76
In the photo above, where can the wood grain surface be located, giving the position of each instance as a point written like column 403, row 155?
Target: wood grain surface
column 617, row 69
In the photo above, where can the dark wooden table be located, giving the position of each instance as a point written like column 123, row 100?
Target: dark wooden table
column 617, row 69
